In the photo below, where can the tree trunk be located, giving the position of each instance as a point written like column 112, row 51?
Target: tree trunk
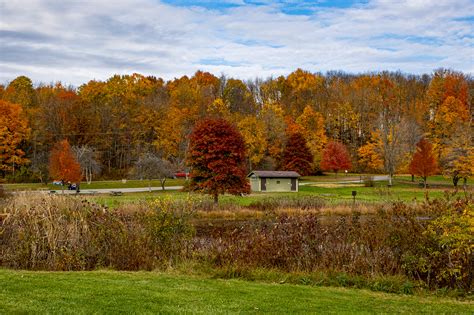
column 149, row 185
column 216, row 199
column 163, row 184
column 390, row 179
column 424, row 181
column 455, row 181
column 412, row 178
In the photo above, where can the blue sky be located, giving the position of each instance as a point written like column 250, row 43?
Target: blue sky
column 288, row 7
column 76, row 41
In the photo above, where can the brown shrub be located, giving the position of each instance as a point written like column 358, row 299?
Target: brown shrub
column 3, row 192
column 298, row 202
column 66, row 233
column 405, row 239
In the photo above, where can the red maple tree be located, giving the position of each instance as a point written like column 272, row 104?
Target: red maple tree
column 216, row 156
column 423, row 162
column 335, row 158
column 297, row 156
column 63, row 165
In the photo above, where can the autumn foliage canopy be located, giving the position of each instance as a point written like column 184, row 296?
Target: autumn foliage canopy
column 336, row 158
column 62, row 163
column 13, row 131
column 216, row 157
column 379, row 117
column 424, row 162
column 297, row 156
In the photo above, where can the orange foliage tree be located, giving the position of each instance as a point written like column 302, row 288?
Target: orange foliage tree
column 62, row 163
column 336, row 158
column 13, row 131
column 424, row 162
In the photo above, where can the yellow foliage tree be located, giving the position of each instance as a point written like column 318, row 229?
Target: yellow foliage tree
column 302, row 88
column 253, row 132
column 370, row 154
column 170, row 134
column 272, row 117
column 218, row 108
column 459, row 158
column 312, row 128
column 451, row 118
column 20, row 91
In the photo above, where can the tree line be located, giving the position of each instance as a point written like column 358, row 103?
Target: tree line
column 378, row 118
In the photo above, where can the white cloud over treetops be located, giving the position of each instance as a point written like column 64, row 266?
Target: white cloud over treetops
column 76, row 41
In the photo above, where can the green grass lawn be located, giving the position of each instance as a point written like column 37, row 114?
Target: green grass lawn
column 380, row 193
column 115, row 201
column 322, row 186
column 434, row 180
column 333, row 194
column 152, row 292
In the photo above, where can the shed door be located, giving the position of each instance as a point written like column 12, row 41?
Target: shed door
column 264, row 184
column 293, row 184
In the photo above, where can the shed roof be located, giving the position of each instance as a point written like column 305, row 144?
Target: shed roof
column 274, row 174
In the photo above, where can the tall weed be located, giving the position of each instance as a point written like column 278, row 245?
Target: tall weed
column 66, row 233
column 430, row 242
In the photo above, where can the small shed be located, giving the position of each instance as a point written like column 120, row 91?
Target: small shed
column 274, row 181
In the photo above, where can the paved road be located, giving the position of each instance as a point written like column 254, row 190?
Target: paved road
column 108, row 190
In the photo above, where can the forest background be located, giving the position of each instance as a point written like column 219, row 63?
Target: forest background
column 110, row 124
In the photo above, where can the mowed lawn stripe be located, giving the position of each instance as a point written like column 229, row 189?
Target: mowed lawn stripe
column 151, row 292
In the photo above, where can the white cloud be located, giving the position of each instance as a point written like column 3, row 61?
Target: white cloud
column 74, row 41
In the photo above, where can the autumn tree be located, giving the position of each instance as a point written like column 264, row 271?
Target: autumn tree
column 63, row 165
column 14, row 131
column 253, row 132
column 88, row 159
column 150, row 166
column 450, row 119
column 219, row 109
column 301, row 88
column 424, row 162
column 216, row 156
column 40, row 166
column 189, row 100
column 458, row 161
column 444, row 84
column 370, row 154
column 341, row 119
column 312, row 128
column 126, row 116
column 297, row 156
column 336, row 158
column 272, row 117
column 449, row 109
column 238, row 96
column 20, row 91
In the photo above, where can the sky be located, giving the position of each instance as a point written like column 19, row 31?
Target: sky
column 81, row 40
